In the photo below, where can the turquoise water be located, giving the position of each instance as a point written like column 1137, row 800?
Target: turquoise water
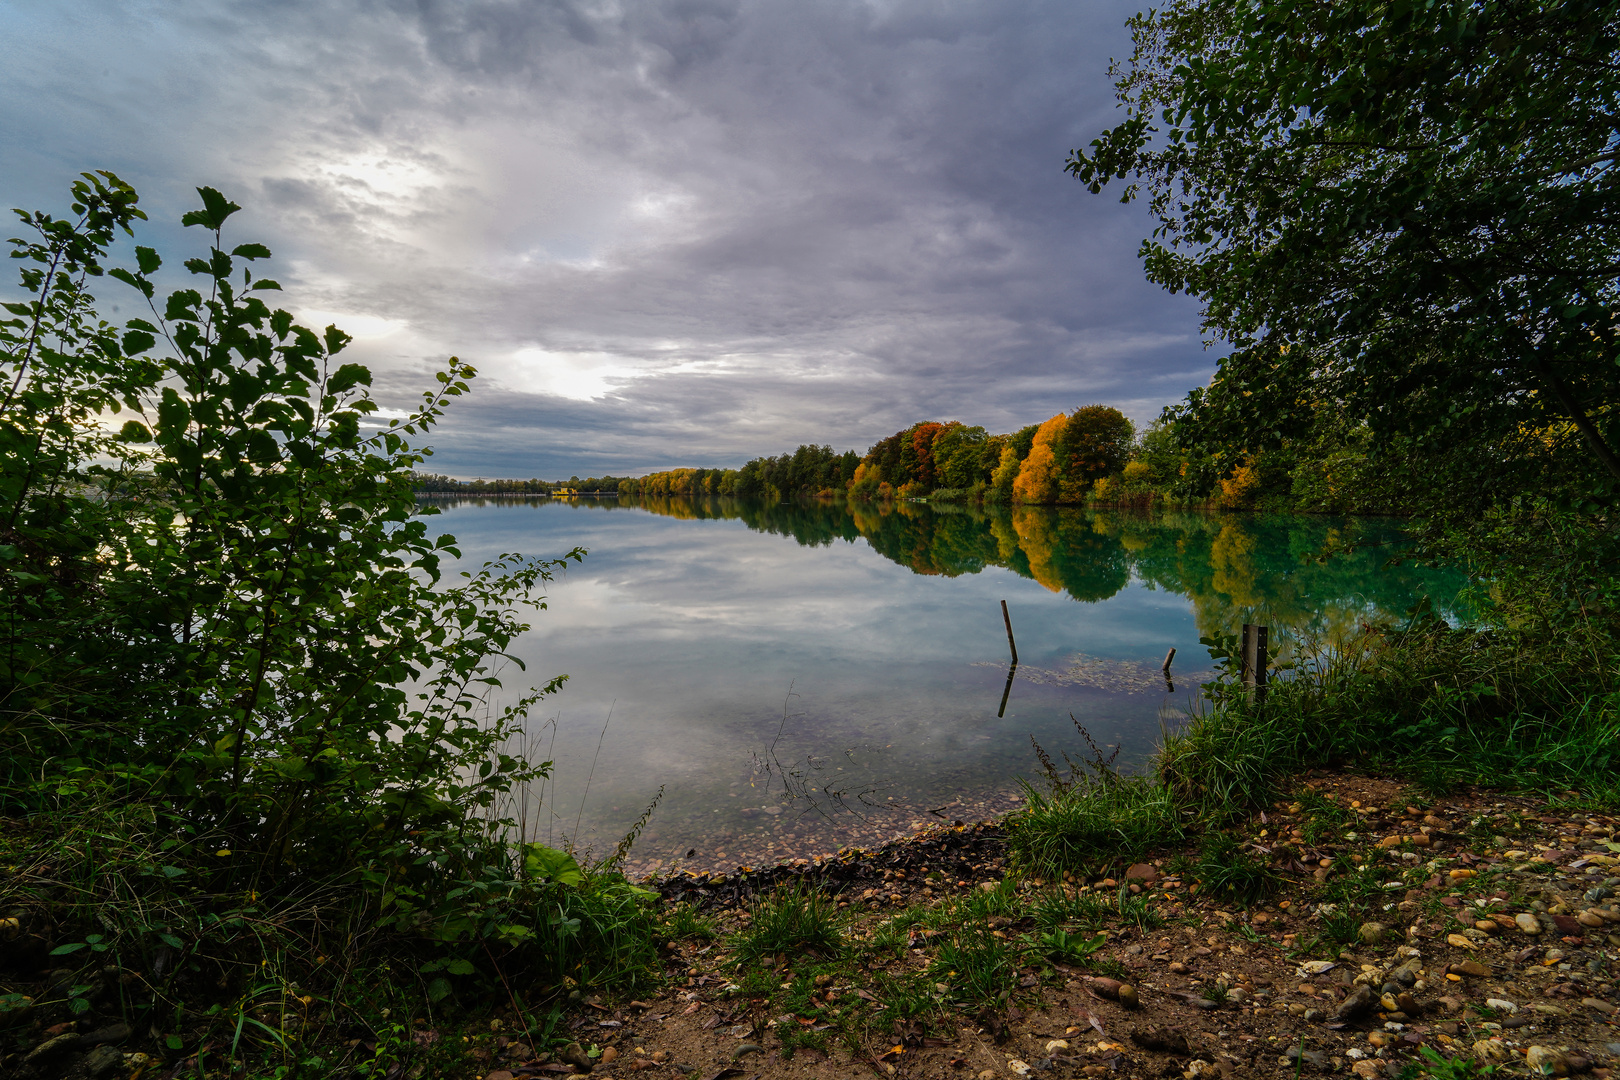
column 799, row 677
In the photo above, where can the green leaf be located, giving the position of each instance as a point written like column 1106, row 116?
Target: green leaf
column 250, row 251
column 347, row 377
column 148, row 259
column 63, row 950
column 547, row 862
column 336, row 340
column 460, row 967
column 439, row 989
column 136, row 342
column 216, row 208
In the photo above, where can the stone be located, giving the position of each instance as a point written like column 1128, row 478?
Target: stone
column 1470, row 967
column 1127, row 996
column 112, row 1033
column 1179, row 968
column 1408, row 1004
column 1371, row 933
column 1407, row 973
column 1600, row 1005
column 574, row 1054
column 1590, row 918
column 1387, row 1003
column 1490, row 1051
column 1141, row 872
column 1527, row 923
column 1018, row 1067
column 1502, row 1005
column 1316, row 967
column 1366, row 1069
column 1054, row 1045
column 1162, row 1040
column 1360, row 1001
column 609, row 1056
column 103, row 1059
column 1487, row 926
column 505, row 1074
column 1546, row 1061
column 1457, row 941
column 53, row 1047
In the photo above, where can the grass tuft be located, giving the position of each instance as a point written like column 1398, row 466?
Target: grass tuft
column 795, row 923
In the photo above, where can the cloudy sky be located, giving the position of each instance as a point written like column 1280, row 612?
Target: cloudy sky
column 668, row 232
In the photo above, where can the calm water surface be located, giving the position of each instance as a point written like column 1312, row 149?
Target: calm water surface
column 800, row 677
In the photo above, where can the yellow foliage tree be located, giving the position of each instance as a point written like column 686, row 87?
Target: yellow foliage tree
column 1038, row 479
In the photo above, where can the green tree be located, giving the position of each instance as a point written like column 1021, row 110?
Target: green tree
column 1096, row 442
column 1403, row 211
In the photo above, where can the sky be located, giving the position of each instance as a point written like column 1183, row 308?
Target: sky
column 666, row 232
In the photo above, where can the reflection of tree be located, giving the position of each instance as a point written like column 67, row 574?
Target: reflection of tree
column 1234, row 569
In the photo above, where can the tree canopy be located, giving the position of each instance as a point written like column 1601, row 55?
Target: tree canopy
column 1401, row 212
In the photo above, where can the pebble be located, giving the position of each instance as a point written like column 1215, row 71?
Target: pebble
column 102, row 1060
column 1371, row 933
column 1528, row 923
column 1545, row 1060
column 609, row 1055
column 1360, row 1000
column 1501, row 1005
column 1600, row 1005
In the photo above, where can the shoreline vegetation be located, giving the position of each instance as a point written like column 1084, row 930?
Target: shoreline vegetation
column 257, row 817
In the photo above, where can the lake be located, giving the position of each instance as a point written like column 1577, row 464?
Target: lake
column 798, row 677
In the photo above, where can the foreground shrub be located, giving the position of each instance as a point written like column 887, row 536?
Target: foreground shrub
column 250, row 740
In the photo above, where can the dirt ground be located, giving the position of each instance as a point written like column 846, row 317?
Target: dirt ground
column 1496, row 942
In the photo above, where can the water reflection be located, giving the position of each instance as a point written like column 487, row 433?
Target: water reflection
column 1235, row 568
column 796, row 696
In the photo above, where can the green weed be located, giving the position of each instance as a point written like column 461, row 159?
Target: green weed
column 1226, row 871
column 796, row 923
column 1054, row 908
column 1067, row 948
column 682, row 922
column 977, row 965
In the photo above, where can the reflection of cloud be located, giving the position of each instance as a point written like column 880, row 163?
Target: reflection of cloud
column 730, row 226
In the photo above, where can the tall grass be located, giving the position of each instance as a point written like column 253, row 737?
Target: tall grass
column 1528, row 703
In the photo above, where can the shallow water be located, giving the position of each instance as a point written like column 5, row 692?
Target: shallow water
column 801, row 677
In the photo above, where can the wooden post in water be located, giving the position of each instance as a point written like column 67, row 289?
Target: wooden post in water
column 1005, row 690
column 1255, row 660
column 1011, row 644
column 1169, row 656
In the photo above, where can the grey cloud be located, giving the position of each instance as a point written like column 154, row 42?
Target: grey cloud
column 752, row 224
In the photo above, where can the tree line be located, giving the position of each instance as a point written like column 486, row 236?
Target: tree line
column 1058, row 461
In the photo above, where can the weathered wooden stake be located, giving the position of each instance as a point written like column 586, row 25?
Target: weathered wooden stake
column 1255, row 660
column 1169, row 656
column 1005, row 690
column 1011, row 644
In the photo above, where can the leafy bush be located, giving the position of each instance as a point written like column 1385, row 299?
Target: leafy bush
column 249, row 719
